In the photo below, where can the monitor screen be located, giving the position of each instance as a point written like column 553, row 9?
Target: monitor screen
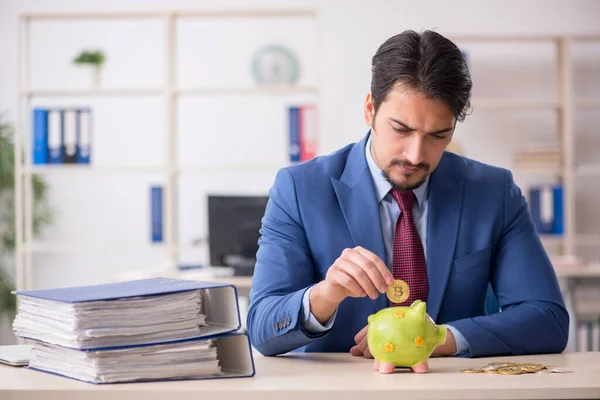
column 233, row 231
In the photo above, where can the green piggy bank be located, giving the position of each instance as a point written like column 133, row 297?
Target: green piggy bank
column 403, row 337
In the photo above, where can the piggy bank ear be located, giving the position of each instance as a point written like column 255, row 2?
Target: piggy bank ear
column 419, row 307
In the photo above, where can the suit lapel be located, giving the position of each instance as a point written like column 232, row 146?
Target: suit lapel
column 445, row 208
column 355, row 192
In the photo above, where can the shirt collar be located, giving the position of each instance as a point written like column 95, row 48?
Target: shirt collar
column 382, row 186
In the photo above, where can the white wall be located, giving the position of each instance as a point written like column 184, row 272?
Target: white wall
column 114, row 209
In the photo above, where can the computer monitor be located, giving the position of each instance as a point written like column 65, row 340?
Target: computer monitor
column 233, row 231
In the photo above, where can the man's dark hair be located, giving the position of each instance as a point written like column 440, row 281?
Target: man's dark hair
column 426, row 62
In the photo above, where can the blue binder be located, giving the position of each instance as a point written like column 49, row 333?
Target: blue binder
column 84, row 135
column 221, row 307
column 40, row 136
column 55, row 136
column 224, row 312
column 234, row 353
column 555, row 224
column 294, row 133
column 156, row 214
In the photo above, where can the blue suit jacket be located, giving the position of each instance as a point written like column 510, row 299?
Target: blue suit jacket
column 479, row 232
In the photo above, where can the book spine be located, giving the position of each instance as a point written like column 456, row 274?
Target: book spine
column 84, row 136
column 294, row 134
column 308, row 132
column 557, row 221
column 156, row 214
column 55, row 135
column 69, row 136
column 40, row 136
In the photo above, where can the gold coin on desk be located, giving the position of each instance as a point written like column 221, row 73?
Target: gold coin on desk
column 510, row 371
column 530, row 368
column 471, row 370
column 491, row 369
column 398, row 291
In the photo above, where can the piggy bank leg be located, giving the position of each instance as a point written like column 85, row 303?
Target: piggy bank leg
column 376, row 365
column 386, row 368
column 421, row 368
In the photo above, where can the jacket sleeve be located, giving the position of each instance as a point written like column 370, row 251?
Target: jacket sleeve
column 533, row 319
column 283, row 273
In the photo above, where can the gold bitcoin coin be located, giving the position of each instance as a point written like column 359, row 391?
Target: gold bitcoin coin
column 398, row 291
column 491, row 371
column 471, row 371
column 510, row 371
column 531, row 368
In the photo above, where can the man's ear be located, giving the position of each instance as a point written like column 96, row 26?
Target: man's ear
column 369, row 110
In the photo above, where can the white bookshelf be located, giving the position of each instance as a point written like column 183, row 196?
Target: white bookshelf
column 171, row 170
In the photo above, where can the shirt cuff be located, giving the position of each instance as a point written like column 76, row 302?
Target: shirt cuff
column 462, row 346
column 311, row 325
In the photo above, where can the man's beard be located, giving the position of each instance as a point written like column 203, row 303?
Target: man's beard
column 398, row 186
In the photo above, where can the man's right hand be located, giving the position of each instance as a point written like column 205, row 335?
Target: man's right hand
column 356, row 273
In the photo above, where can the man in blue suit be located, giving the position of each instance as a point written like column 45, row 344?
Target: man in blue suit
column 330, row 238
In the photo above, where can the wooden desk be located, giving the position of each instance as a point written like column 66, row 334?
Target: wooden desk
column 331, row 376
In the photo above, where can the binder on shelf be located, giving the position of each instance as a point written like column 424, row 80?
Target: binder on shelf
column 308, row 124
column 302, row 130
column 69, row 142
column 55, row 136
column 84, row 136
column 156, row 214
column 40, row 136
column 546, row 207
column 143, row 330
column 294, row 134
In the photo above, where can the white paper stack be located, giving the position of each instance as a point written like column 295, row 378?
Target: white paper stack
column 195, row 359
column 109, row 323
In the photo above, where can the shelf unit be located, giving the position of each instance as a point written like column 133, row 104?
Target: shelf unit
column 569, row 172
column 170, row 92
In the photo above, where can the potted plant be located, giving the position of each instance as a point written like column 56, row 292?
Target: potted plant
column 41, row 217
column 94, row 60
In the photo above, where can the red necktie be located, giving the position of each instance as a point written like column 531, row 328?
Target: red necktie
column 409, row 257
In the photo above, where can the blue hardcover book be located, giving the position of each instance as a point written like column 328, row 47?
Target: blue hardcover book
column 40, row 136
column 55, row 136
column 156, row 214
column 84, row 136
column 294, row 133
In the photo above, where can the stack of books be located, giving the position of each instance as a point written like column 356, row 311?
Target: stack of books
column 143, row 330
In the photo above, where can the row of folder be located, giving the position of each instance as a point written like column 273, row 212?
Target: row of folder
column 142, row 330
column 61, row 135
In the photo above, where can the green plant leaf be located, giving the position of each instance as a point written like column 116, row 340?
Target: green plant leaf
column 42, row 215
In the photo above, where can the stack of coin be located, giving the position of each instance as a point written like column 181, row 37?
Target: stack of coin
column 511, row 368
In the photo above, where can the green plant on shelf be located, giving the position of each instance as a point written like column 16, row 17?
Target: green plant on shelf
column 42, row 216
column 91, row 57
